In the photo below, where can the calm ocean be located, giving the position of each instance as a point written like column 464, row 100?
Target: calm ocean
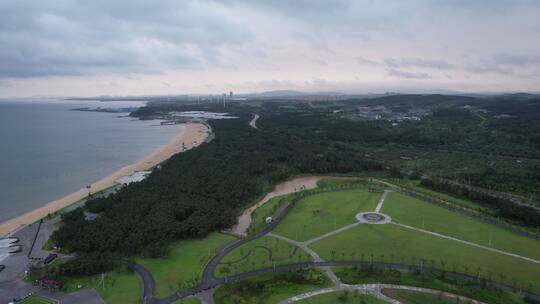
column 47, row 152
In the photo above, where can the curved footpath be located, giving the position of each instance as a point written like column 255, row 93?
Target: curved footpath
column 210, row 281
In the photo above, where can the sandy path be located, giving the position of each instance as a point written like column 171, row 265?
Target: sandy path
column 191, row 132
column 309, row 182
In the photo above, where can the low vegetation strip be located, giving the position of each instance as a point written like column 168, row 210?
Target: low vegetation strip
column 417, row 297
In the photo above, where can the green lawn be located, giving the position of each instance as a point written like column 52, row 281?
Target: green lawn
column 412, row 297
column 325, row 212
column 390, row 242
column 184, row 265
column 38, row 300
column 416, row 186
column 413, row 212
column 345, row 297
column 258, row 218
column 119, row 286
column 257, row 257
column 271, row 288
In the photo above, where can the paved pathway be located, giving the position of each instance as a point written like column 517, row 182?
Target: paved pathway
column 468, row 243
column 253, row 122
column 316, row 258
column 331, row 233
column 381, row 201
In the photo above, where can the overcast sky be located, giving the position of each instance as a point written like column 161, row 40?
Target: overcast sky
column 135, row 47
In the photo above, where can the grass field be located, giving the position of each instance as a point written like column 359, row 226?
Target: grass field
column 38, row 300
column 271, row 288
column 322, row 213
column 413, row 212
column 415, row 185
column 257, row 257
column 258, row 218
column 394, row 243
column 412, row 297
column 120, row 286
column 184, row 265
column 342, row 297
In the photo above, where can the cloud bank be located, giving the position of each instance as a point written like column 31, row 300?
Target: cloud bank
column 73, row 47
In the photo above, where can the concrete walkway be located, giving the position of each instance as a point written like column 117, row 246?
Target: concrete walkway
column 381, row 201
column 467, row 243
column 316, row 258
column 331, row 233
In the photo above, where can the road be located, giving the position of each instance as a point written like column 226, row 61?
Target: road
column 253, row 122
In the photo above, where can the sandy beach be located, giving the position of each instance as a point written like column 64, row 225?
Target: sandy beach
column 191, row 133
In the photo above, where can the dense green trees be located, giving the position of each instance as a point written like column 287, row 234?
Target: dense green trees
column 203, row 190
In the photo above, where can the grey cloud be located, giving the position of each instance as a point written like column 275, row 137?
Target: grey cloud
column 408, row 75
column 481, row 68
column 88, row 37
column 367, row 61
column 517, row 59
column 418, row 62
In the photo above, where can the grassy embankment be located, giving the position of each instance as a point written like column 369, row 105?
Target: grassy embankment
column 184, row 265
column 271, row 288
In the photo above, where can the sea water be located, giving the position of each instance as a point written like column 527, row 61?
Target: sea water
column 47, row 151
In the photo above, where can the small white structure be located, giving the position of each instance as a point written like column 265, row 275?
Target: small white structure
column 135, row 177
column 269, row 220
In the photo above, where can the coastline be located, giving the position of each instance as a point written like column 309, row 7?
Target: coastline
column 191, row 132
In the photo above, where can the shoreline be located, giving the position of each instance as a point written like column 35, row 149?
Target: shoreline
column 191, row 132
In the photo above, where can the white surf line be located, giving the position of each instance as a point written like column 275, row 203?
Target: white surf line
column 381, row 201
column 320, row 237
column 468, row 243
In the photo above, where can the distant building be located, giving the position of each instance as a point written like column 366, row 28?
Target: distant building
column 231, row 95
column 135, row 177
